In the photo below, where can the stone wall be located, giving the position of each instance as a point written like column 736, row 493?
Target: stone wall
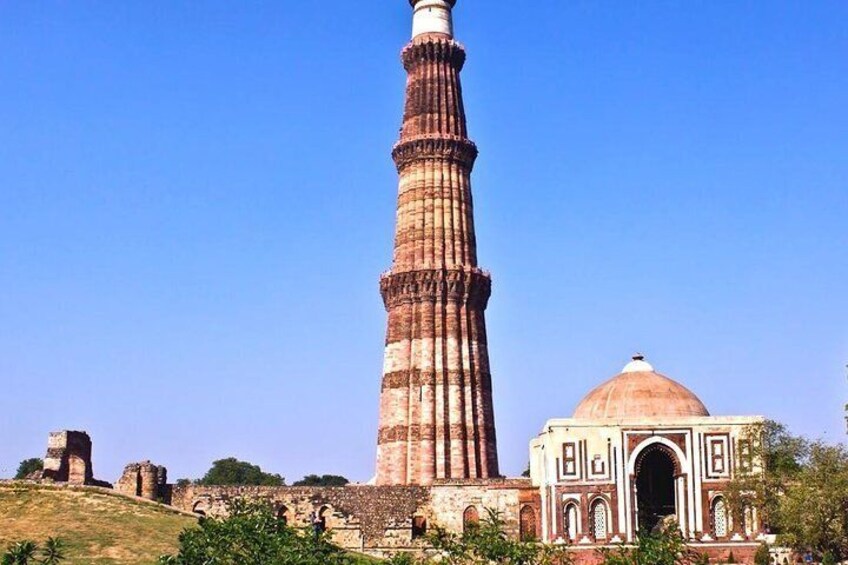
column 377, row 520
column 449, row 500
column 145, row 480
column 68, row 459
column 360, row 518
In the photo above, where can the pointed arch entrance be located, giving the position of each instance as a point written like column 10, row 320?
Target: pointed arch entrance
column 656, row 482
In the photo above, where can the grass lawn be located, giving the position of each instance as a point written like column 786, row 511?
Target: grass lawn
column 97, row 527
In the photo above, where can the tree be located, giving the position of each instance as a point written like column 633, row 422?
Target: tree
column 813, row 511
column 775, row 459
column 800, row 488
column 252, row 534
column 231, row 471
column 29, row 466
column 322, row 481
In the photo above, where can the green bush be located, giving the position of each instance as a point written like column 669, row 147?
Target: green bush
column 487, row 542
column 252, row 534
column 762, row 556
column 664, row 547
column 29, row 466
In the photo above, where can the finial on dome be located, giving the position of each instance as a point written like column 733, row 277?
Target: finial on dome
column 638, row 365
column 432, row 16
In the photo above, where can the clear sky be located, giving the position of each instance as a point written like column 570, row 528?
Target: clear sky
column 197, row 199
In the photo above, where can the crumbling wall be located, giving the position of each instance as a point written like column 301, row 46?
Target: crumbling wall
column 360, row 518
column 449, row 500
column 68, row 459
column 145, row 480
column 377, row 520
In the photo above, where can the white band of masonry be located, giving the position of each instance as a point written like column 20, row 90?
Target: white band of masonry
column 432, row 16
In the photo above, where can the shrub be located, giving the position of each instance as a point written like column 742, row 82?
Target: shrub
column 25, row 552
column 28, row 466
column 252, row 534
column 762, row 556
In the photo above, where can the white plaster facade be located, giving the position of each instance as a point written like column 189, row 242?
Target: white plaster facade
column 588, row 470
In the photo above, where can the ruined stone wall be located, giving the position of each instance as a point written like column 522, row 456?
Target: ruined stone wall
column 449, row 500
column 359, row 518
column 145, row 480
column 377, row 520
column 68, row 459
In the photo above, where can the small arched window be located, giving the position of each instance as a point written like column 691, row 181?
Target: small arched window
column 720, row 517
column 283, row 515
column 470, row 518
column 419, row 527
column 199, row 508
column 599, row 520
column 748, row 518
column 319, row 522
column 527, row 524
column 571, row 522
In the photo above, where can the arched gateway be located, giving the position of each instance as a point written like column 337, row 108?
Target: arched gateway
column 656, row 475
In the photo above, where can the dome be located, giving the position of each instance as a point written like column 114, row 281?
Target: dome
column 640, row 392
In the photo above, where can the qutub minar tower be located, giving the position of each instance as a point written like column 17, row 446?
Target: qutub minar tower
column 436, row 413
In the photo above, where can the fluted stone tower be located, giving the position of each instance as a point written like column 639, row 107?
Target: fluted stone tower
column 436, row 413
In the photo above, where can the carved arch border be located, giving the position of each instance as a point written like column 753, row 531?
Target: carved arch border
column 657, row 443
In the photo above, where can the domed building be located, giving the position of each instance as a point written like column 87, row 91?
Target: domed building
column 641, row 450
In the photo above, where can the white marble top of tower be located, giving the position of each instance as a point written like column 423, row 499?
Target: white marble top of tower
column 432, row 16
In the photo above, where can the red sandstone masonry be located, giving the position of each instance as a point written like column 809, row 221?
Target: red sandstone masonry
column 436, row 411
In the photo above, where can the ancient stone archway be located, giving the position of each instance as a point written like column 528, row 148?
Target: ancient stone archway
column 470, row 518
column 200, row 508
column 656, row 474
column 527, row 524
column 320, row 523
column 283, row 515
column 419, row 527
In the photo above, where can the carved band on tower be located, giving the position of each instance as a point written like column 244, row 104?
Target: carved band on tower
column 436, row 412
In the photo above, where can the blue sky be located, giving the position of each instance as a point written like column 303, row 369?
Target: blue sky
column 196, row 201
